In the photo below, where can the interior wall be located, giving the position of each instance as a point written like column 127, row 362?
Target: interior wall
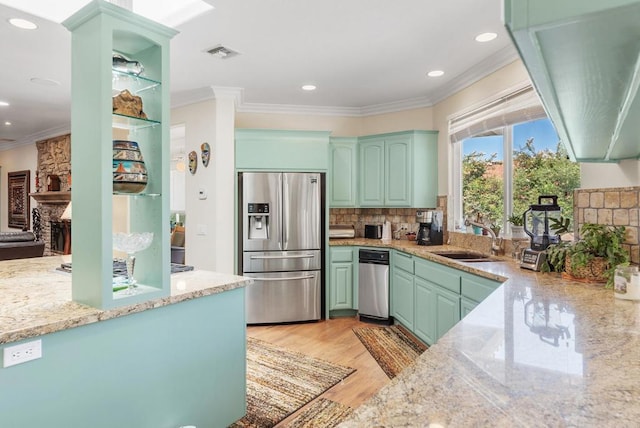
column 200, row 230
column 420, row 119
column 600, row 175
column 339, row 125
column 18, row 159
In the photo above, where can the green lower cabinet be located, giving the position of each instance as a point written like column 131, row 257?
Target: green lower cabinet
column 447, row 310
column 342, row 278
column 403, row 297
column 341, row 286
column 466, row 306
column 425, row 326
column 434, row 298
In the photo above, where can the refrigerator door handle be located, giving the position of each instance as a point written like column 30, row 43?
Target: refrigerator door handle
column 288, row 278
column 285, row 210
column 298, row 256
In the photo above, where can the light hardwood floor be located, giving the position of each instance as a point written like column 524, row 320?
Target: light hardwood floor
column 331, row 340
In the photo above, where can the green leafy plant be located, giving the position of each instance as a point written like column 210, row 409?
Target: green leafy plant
column 596, row 240
column 560, row 225
column 516, row 220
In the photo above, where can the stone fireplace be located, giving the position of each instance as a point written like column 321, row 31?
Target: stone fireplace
column 54, row 167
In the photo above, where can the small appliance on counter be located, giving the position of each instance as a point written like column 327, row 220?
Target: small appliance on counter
column 341, row 231
column 538, row 216
column 373, row 231
column 430, row 230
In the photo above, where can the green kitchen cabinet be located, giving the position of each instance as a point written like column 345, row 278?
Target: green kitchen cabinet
column 424, row 325
column 398, row 169
column 342, row 278
column 437, row 299
column 343, row 165
column 281, row 150
column 371, row 173
column 474, row 289
column 466, row 306
column 403, row 296
column 99, row 30
column 447, row 310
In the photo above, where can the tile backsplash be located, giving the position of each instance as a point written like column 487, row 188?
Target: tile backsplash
column 618, row 206
column 399, row 217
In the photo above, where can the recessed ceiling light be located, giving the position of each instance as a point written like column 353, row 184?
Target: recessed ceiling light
column 309, row 87
column 7, row 123
column 22, row 23
column 435, row 73
column 4, row 103
column 485, row 37
column 44, row 82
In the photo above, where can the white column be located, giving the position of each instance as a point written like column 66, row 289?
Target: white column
column 223, row 158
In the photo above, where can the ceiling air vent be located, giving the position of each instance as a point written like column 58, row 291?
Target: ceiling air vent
column 222, row 52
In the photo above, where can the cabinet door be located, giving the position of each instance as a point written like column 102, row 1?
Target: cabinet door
column 447, row 307
column 424, row 315
column 398, row 172
column 371, row 183
column 342, row 182
column 466, row 306
column 341, row 290
column 403, row 298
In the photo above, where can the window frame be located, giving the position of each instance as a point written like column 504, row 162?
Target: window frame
column 507, row 109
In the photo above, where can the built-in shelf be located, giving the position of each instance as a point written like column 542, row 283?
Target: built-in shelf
column 52, row 197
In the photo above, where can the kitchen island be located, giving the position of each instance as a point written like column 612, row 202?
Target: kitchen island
column 539, row 351
column 167, row 362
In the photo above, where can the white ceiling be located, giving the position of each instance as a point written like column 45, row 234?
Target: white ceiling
column 365, row 56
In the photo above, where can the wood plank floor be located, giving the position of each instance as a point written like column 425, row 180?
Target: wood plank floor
column 331, row 340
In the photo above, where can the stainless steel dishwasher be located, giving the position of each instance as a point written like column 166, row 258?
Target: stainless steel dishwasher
column 373, row 286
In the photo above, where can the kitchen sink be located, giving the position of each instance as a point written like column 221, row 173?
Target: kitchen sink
column 468, row 256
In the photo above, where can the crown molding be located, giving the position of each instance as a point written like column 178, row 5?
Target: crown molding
column 55, row 131
column 503, row 57
column 480, row 70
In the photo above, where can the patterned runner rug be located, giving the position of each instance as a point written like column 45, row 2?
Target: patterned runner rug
column 392, row 349
column 280, row 381
column 322, row 413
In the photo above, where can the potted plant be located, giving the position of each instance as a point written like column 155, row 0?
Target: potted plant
column 593, row 258
column 517, row 225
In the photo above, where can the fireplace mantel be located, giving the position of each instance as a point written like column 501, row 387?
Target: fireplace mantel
column 51, row 197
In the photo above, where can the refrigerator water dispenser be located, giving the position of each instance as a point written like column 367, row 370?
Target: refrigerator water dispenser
column 258, row 221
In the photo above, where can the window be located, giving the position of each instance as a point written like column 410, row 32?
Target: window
column 502, row 164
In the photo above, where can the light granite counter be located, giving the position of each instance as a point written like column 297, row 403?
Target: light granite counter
column 539, row 351
column 36, row 299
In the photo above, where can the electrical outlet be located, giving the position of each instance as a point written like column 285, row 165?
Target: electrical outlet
column 22, row 353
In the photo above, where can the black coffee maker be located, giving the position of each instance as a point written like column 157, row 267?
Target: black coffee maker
column 430, row 230
column 424, row 234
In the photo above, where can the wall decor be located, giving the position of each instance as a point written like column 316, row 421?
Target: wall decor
column 206, row 153
column 19, row 187
column 193, row 162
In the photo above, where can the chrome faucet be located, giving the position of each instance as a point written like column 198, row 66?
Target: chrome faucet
column 496, row 243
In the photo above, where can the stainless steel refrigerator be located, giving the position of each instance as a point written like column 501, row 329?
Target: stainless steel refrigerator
column 280, row 229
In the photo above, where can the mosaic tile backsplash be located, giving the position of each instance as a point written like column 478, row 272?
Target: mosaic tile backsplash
column 399, row 217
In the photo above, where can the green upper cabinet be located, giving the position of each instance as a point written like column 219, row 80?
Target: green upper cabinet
column 398, row 169
column 97, row 31
column 371, row 173
column 343, row 164
column 277, row 150
column 582, row 56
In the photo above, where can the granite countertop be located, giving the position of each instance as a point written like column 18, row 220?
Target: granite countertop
column 36, row 299
column 539, row 351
